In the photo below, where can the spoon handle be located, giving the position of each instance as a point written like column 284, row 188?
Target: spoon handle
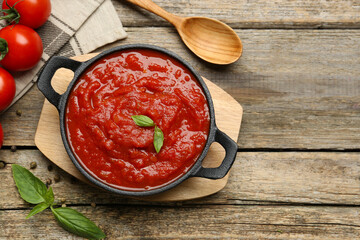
column 152, row 7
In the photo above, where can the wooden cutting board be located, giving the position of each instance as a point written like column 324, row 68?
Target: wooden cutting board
column 228, row 115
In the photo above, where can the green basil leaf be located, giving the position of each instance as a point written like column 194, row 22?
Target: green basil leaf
column 76, row 223
column 38, row 208
column 143, row 121
column 158, row 139
column 49, row 196
column 31, row 188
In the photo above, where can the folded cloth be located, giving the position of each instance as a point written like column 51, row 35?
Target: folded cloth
column 74, row 27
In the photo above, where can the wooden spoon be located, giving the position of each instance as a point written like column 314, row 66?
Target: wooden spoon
column 209, row 39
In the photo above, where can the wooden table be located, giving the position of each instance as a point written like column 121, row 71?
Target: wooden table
column 297, row 173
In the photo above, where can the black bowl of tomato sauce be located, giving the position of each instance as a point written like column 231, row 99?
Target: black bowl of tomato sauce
column 109, row 147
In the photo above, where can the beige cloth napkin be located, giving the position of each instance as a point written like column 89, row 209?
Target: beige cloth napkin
column 75, row 27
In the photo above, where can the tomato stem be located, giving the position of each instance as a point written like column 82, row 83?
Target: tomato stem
column 3, row 48
column 11, row 14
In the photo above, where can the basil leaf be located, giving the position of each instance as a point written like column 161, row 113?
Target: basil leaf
column 38, row 208
column 49, row 196
column 31, row 188
column 143, row 121
column 158, row 139
column 76, row 223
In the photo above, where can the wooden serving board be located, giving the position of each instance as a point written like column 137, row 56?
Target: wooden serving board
column 228, row 115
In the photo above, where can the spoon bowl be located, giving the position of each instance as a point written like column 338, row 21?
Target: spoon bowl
column 210, row 39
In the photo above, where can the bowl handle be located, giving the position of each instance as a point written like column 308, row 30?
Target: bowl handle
column 44, row 81
column 230, row 147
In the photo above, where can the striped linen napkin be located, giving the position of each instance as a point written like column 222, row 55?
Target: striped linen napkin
column 74, row 27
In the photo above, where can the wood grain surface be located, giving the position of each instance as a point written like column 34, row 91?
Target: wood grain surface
column 277, row 178
column 196, row 222
column 297, row 175
column 296, row 90
column 266, row 200
column 252, row 14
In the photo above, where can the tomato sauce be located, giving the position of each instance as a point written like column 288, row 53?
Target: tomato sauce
column 106, row 140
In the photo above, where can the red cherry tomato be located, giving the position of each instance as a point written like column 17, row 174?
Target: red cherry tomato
column 1, row 136
column 24, row 47
column 31, row 13
column 7, row 89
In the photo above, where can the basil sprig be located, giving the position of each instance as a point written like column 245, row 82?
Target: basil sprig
column 144, row 121
column 34, row 191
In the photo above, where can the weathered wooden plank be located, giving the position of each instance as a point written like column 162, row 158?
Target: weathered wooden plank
column 251, row 14
column 299, row 89
column 20, row 129
column 195, row 222
column 256, row 177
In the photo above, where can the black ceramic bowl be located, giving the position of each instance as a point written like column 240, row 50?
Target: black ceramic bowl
column 60, row 102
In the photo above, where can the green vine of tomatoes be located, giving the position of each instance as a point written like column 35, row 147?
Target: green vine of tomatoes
column 31, row 13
